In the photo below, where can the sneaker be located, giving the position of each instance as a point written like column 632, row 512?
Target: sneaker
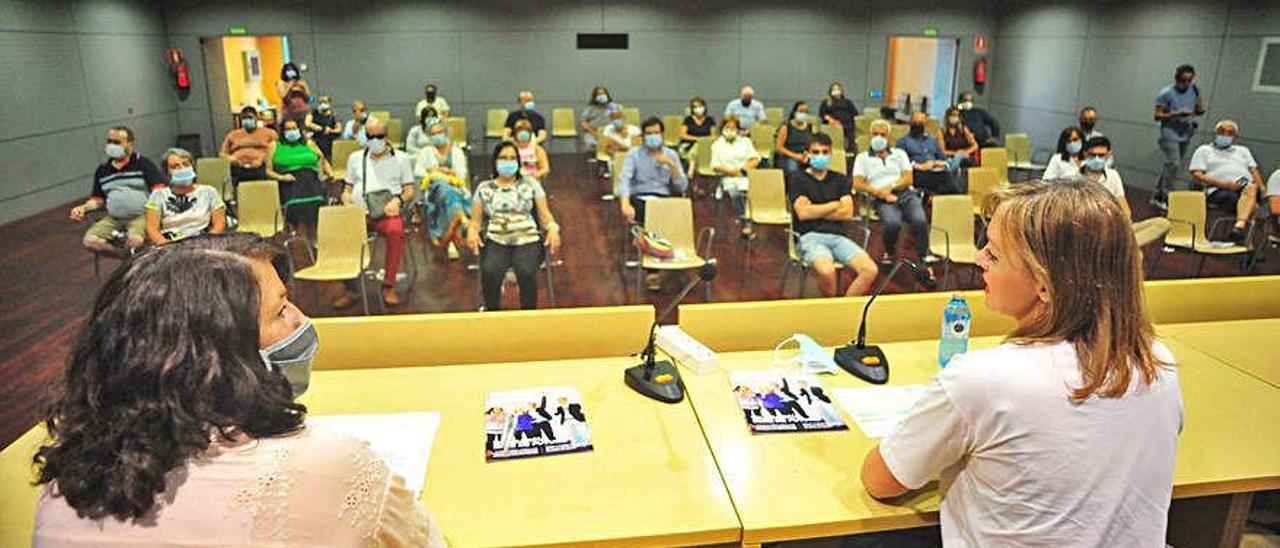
column 345, row 300
column 886, row 259
column 452, row 252
column 930, row 258
column 1159, row 202
column 1237, row 235
column 747, row 230
column 389, row 297
column 719, row 193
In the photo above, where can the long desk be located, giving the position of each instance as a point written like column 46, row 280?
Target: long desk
column 806, row 485
column 1244, row 344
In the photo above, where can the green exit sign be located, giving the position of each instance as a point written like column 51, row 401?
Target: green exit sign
column 237, row 31
column 931, row 31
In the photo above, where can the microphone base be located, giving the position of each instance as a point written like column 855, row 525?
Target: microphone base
column 652, row 385
column 867, row 363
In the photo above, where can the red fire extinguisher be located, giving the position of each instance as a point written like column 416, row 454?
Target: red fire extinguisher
column 980, row 74
column 181, row 76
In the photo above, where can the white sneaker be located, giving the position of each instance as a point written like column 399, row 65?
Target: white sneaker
column 719, row 193
column 453, row 251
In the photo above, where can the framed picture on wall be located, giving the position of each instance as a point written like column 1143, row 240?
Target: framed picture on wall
column 252, row 66
column 1267, row 76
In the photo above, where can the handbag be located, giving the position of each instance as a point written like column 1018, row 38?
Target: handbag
column 375, row 201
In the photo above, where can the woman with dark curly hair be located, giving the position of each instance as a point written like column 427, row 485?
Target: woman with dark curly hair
column 175, row 422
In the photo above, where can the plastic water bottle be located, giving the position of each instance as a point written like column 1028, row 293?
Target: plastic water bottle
column 955, row 329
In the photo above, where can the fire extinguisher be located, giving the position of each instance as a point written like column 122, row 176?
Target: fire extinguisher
column 980, row 74
column 181, row 76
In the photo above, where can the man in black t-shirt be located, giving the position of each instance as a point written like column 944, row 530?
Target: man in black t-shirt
column 525, row 111
column 821, row 209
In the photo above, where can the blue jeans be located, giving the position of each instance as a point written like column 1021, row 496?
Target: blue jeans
column 1175, row 154
column 822, row 245
column 910, row 208
column 788, row 165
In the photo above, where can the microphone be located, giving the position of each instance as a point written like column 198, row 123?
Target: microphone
column 868, row 362
column 660, row 380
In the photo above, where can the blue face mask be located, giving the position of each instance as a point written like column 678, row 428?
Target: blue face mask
column 292, row 135
column 617, row 124
column 1095, row 163
column 291, row 356
column 1223, row 141
column 879, row 143
column 653, row 140
column 430, row 121
column 1074, row 147
column 523, row 136
column 812, row 357
column 438, row 139
column 323, row 106
column 248, row 123
column 819, row 162
column 529, row 105
column 602, row 98
column 508, row 168
column 182, row 176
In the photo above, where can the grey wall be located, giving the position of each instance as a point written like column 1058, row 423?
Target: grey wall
column 1055, row 58
column 71, row 70
column 482, row 52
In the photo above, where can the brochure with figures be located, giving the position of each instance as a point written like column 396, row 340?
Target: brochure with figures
column 534, row 423
column 774, row 401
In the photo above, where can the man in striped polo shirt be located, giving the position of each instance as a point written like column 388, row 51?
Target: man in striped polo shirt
column 121, row 185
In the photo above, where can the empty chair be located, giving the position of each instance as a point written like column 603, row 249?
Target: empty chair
column 494, row 123
column 1187, row 220
column 762, row 138
column 258, row 203
column 861, row 142
column 997, row 159
column 671, row 130
column 983, row 181
column 839, row 161
column 458, row 130
column 951, row 231
column 215, row 172
column 837, row 137
column 395, row 132
column 631, row 116
column 871, row 111
column 562, row 124
column 672, row 218
column 342, row 243
column 767, row 200
column 342, row 149
column 1019, row 147
column 702, row 157
column 862, row 124
column 774, row 115
column 931, row 126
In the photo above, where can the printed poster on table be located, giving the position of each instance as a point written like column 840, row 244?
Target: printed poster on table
column 534, row 423
column 774, row 401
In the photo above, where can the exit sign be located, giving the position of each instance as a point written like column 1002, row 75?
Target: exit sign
column 931, row 31
column 237, row 31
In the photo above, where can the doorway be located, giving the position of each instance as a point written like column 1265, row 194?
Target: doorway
column 921, row 72
column 243, row 71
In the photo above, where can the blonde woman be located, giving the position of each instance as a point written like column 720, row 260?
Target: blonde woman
column 1065, row 434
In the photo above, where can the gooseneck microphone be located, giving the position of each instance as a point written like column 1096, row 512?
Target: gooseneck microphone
column 868, row 362
column 660, row 380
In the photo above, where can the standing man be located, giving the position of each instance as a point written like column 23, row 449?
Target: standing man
column 121, row 184
column 1177, row 106
column 246, row 147
column 747, row 109
column 380, row 181
column 525, row 111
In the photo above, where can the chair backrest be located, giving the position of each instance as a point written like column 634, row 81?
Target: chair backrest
column 672, row 218
column 897, row 131
column 494, row 122
column 774, row 115
column 395, row 130
column 342, row 149
column 762, row 138
column 954, row 214
column 258, row 204
column 766, row 190
column 1019, row 147
column 702, row 153
column 839, row 163
column 983, row 181
column 861, row 141
column 836, row 134
column 863, row 123
column 383, row 115
column 618, row 159
column 631, row 116
column 458, row 129
column 562, row 123
column 1186, row 206
column 671, row 129
column 871, row 111
column 931, row 126
column 215, row 172
column 340, row 235
column 998, row 159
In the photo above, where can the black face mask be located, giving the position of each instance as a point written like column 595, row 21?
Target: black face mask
column 746, row 102
column 431, row 96
column 1087, row 126
column 917, row 130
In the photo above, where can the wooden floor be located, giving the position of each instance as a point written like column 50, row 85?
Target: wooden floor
column 48, row 280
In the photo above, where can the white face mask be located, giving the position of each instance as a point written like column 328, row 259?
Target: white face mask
column 699, row 110
column 730, row 134
column 376, row 145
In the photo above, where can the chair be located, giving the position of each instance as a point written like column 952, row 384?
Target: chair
column 861, row 142
column 548, row 265
column 951, row 231
column 773, row 115
column 672, row 218
column 458, row 130
column 631, row 116
column 766, row 199
column 1149, row 231
column 702, row 157
column 794, row 259
column 983, row 182
column 395, row 132
column 997, row 159
column 1019, row 147
column 495, row 123
column 383, row 115
column 215, row 172
column 762, row 138
column 896, row 132
column 871, row 111
column 671, row 130
column 931, row 126
column 1187, row 218
column 839, row 161
column 562, row 124
column 863, row 124
column 837, row 137
column 342, row 241
column 342, row 149
column 258, row 203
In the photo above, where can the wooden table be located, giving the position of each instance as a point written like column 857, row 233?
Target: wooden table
column 807, row 485
column 1246, row 345
column 649, row 481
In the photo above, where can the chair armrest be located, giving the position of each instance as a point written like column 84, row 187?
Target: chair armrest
column 866, row 235
column 1194, row 230
column 946, row 238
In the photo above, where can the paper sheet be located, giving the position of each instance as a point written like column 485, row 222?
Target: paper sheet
column 403, row 440
column 879, row 408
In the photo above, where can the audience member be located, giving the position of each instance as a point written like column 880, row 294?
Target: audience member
column 1089, row 122
column 525, row 111
column 175, row 422
column 121, row 185
column 1177, row 106
column 381, row 182
column 1229, row 174
column 183, row 209
column 509, row 208
column 617, row 136
column 789, row 145
column 732, row 156
column 839, row 111
column 980, row 122
column 416, row 140
column 433, row 100
column 1095, row 168
column 747, row 109
column 323, row 125
column 822, row 210
column 442, row 168
column 651, row 171
column 294, row 93
column 533, row 158
column 695, row 124
column 596, row 115
column 1065, row 163
column 355, row 126
column 297, row 164
column 932, row 170
column 957, row 141
column 884, row 174
column 246, row 147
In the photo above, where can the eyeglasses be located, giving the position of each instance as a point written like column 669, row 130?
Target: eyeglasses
column 115, row 141
column 373, row 136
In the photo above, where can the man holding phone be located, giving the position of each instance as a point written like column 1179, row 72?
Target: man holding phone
column 1177, row 105
column 1229, row 174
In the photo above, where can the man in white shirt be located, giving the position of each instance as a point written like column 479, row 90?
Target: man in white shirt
column 1096, row 168
column 732, row 155
column 616, row 137
column 432, row 100
column 380, row 181
column 1230, row 175
column 884, row 174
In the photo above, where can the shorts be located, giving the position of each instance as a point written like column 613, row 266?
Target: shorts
column 821, row 245
column 106, row 226
column 1223, row 199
